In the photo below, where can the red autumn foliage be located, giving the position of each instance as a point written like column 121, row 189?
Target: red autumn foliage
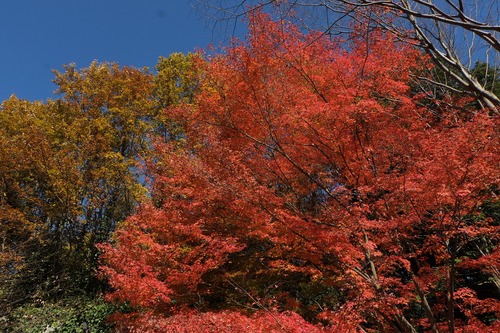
column 304, row 163
column 220, row 322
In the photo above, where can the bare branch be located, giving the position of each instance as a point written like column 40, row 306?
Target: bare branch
column 434, row 25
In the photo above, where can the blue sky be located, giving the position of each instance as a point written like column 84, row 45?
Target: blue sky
column 38, row 36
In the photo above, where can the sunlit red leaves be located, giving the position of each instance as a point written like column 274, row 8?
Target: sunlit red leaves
column 221, row 322
column 320, row 153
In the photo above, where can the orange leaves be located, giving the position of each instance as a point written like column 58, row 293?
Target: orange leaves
column 304, row 162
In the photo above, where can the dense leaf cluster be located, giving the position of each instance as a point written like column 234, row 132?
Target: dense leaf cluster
column 310, row 179
column 70, row 171
column 292, row 183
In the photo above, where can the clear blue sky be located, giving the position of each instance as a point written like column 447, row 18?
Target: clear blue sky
column 38, row 36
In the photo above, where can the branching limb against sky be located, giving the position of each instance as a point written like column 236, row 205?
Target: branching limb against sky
column 454, row 33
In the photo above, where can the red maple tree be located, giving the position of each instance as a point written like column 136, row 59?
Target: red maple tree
column 310, row 179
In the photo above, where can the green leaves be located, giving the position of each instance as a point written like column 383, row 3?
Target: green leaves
column 177, row 78
column 72, row 315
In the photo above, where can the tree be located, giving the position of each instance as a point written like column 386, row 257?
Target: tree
column 69, row 175
column 454, row 34
column 303, row 164
column 71, row 170
column 176, row 81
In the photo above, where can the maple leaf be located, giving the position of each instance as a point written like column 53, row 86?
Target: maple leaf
column 305, row 162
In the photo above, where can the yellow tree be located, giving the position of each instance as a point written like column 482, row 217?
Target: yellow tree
column 68, row 174
column 72, row 168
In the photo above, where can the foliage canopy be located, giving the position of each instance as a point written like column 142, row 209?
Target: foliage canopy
column 310, row 180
